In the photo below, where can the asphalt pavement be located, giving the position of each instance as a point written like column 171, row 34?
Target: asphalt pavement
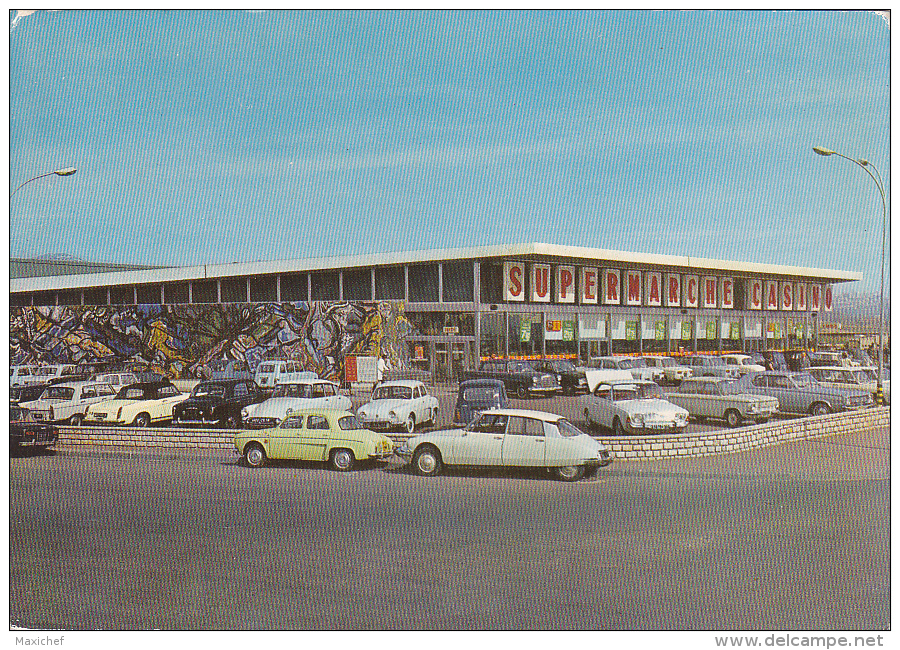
column 789, row 537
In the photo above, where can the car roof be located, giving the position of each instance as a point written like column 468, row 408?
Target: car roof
column 149, row 384
column 707, row 379
column 305, row 382
column 537, row 415
column 837, row 368
column 468, row 383
column 222, row 382
column 409, row 383
column 79, row 384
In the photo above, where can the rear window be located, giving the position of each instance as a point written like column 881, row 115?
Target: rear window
column 481, row 395
column 567, row 429
column 59, row 392
column 209, row 390
column 349, row 423
column 267, row 367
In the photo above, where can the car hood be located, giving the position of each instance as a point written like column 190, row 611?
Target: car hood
column 652, row 405
column 277, row 407
column 383, row 406
column 202, row 401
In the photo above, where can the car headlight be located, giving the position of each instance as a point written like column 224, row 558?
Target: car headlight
column 681, row 418
column 392, row 415
column 535, row 380
column 244, row 412
column 636, row 420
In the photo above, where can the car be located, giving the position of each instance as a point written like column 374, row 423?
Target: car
column 717, row 397
column 832, row 359
column 27, row 393
column 116, row 379
column 519, row 377
column 626, row 405
column 743, row 362
column 68, row 402
column 799, row 392
column 865, row 379
column 636, row 366
column 476, row 396
column 335, row 436
column 217, row 402
column 226, row 369
column 399, row 405
column 57, row 372
column 673, row 372
column 24, row 376
column 294, row 396
column 707, row 365
column 25, row 432
column 139, row 405
column 509, row 438
column 270, row 374
column 571, row 379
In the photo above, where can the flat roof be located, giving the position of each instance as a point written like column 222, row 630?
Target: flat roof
column 551, row 253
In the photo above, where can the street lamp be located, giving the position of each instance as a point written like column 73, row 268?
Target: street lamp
column 66, row 171
column 864, row 165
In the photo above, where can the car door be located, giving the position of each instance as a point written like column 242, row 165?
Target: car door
column 315, row 439
column 600, row 407
column 284, row 440
column 483, row 443
column 524, row 444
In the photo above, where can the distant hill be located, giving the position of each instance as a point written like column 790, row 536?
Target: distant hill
column 859, row 311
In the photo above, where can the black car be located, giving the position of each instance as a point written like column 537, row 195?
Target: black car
column 519, row 377
column 571, row 379
column 25, row 432
column 26, row 393
column 217, row 402
column 476, row 396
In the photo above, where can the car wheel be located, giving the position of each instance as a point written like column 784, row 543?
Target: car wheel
column 427, row 461
column 410, row 425
column 76, row 419
column 342, row 460
column 587, row 418
column 522, row 392
column 820, row 408
column 255, row 455
column 432, row 419
column 619, row 428
column 569, row 473
column 142, row 420
column 231, row 422
column 733, row 418
column 591, row 472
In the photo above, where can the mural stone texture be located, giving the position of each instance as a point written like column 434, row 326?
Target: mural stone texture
column 177, row 340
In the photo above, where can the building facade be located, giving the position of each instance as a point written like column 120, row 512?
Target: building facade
column 437, row 310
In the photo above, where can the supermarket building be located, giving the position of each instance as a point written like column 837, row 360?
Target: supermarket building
column 438, row 310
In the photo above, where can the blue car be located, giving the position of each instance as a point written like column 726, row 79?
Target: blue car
column 476, row 396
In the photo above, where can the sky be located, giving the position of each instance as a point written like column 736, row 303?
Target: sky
column 205, row 137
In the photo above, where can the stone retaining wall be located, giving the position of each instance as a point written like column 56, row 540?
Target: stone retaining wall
column 707, row 443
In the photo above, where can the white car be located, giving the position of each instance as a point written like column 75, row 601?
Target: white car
column 116, row 379
column 23, row 376
column 636, row 366
column 294, row 396
column 859, row 378
column 673, row 372
column 398, row 404
column 68, row 402
column 629, row 406
column 270, row 374
column 509, row 438
column 743, row 363
column 139, row 405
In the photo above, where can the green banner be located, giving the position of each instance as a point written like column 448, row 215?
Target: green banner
column 735, row 331
column 568, row 330
column 631, row 328
column 686, row 330
column 711, row 330
column 660, row 330
column 525, row 329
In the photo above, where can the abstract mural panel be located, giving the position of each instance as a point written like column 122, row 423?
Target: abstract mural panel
column 176, row 340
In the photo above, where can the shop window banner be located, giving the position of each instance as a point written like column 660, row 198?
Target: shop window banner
column 525, row 330
column 735, row 331
column 660, row 330
column 686, row 330
column 568, row 330
column 711, row 330
column 631, row 330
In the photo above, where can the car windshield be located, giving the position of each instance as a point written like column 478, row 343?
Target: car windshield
column 208, row 390
column 563, row 366
column 59, row 392
column 803, row 380
column 521, row 366
column 715, row 361
column 666, row 362
column 267, row 367
column 730, row 388
column 638, row 363
column 392, row 392
column 624, row 364
column 293, row 390
column 218, row 365
column 45, row 371
column 567, row 429
column 481, row 395
column 637, row 391
column 867, row 375
column 349, row 423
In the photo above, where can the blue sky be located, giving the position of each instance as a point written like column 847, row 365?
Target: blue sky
column 207, row 137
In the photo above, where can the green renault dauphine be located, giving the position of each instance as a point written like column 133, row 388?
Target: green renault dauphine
column 330, row 435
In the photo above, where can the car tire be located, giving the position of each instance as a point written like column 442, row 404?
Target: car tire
column 255, row 455
column 733, row 418
column 427, row 461
column 231, row 421
column 587, row 418
column 569, row 473
column 590, row 472
column 820, row 408
column 76, row 419
column 142, row 420
column 432, row 418
column 618, row 428
column 522, row 392
column 410, row 425
column 342, row 460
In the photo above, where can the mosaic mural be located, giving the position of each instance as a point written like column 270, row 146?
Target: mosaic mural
column 177, row 340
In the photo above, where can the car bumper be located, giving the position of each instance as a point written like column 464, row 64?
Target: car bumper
column 654, row 428
column 378, row 425
column 194, row 421
column 381, row 455
column 260, row 423
column 94, row 419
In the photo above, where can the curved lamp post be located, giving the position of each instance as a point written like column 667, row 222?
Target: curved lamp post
column 67, row 171
column 864, row 165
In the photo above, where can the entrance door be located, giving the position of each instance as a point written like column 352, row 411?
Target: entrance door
column 451, row 360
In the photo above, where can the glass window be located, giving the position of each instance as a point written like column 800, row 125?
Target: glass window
column 489, row 424
column 603, row 392
column 59, row 392
column 264, row 288
column 358, row 284
column 493, row 334
column 74, row 297
column 121, row 295
column 234, row 290
column 317, row 422
column 177, row 293
column 567, row 429
column 762, row 381
column 325, row 286
column 318, row 390
column 208, row 390
column 202, row 291
column 148, row 294
column 168, row 391
column 349, row 423
column 292, row 422
column 240, row 390
column 525, row 427
column 459, row 281
column 131, row 393
column 95, row 296
column 294, row 287
column 423, row 283
column 390, row 283
column 105, row 389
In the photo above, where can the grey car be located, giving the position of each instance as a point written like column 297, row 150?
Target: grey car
column 799, row 392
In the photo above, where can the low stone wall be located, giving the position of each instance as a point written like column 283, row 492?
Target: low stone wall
column 706, row 443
